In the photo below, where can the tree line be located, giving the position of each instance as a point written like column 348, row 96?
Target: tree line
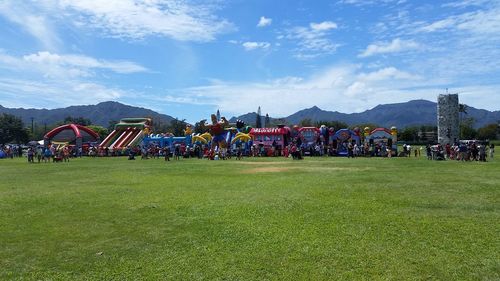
column 13, row 129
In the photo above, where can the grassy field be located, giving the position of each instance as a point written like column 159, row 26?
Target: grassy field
column 256, row 219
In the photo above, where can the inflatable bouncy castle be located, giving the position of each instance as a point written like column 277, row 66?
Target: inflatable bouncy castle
column 380, row 138
column 342, row 138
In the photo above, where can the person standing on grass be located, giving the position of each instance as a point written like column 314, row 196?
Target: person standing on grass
column 463, row 151
column 482, row 152
column 177, row 152
column 492, row 150
column 166, row 153
column 65, row 153
column 30, row 155
column 47, row 154
column 294, row 151
column 350, row 148
column 39, row 153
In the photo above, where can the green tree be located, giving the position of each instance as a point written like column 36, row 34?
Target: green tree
column 488, row 132
column 428, row 128
column 337, row 125
column 177, row 127
column 100, row 130
column 306, row 122
column 467, row 131
column 78, row 120
column 199, row 127
column 409, row 134
column 362, row 126
column 161, row 127
column 40, row 131
column 267, row 121
column 462, row 109
column 111, row 125
column 12, row 129
column 279, row 121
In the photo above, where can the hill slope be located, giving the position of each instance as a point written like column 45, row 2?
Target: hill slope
column 415, row 112
column 99, row 114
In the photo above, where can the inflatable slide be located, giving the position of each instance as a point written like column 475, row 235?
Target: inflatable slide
column 128, row 132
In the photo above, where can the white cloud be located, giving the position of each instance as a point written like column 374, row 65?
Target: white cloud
column 388, row 73
column 55, row 93
column 36, row 25
column 137, row 19
column 323, row 26
column 395, row 46
column 85, row 62
column 344, row 88
column 249, row 46
column 370, row 2
column 466, row 3
column 51, row 65
column 439, row 25
column 480, row 21
column 51, row 80
column 129, row 19
column 264, row 21
column 313, row 40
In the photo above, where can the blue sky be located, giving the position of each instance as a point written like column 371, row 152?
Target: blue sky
column 189, row 58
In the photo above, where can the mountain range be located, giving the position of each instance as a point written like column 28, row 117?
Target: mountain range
column 100, row 114
column 415, row 112
column 412, row 113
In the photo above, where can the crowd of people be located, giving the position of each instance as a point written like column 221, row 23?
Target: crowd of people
column 296, row 149
column 41, row 154
column 11, row 150
column 462, row 151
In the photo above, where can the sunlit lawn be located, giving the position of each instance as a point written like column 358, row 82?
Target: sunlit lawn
column 256, row 219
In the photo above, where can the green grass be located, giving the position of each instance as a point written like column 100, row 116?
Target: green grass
column 278, row 219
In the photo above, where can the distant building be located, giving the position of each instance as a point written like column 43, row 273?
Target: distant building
column 448, row 118
column 427, row 136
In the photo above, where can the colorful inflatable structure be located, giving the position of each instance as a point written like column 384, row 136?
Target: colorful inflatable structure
column 382, row 137
column 237, row 137
column 70, row 134
column 309, row 136
column 268, row 137
column 220, row 136
column 341, row 139
column 129, row 132
column 167, row 140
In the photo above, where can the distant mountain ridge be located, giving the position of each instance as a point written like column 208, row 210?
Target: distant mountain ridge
column 411, row 113
column 100, row 114
column 415, row 112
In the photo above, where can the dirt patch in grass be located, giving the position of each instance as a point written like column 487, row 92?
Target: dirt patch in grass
column 350, row 169
column 265, row 163
column 271, row 169
column 266, row 170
